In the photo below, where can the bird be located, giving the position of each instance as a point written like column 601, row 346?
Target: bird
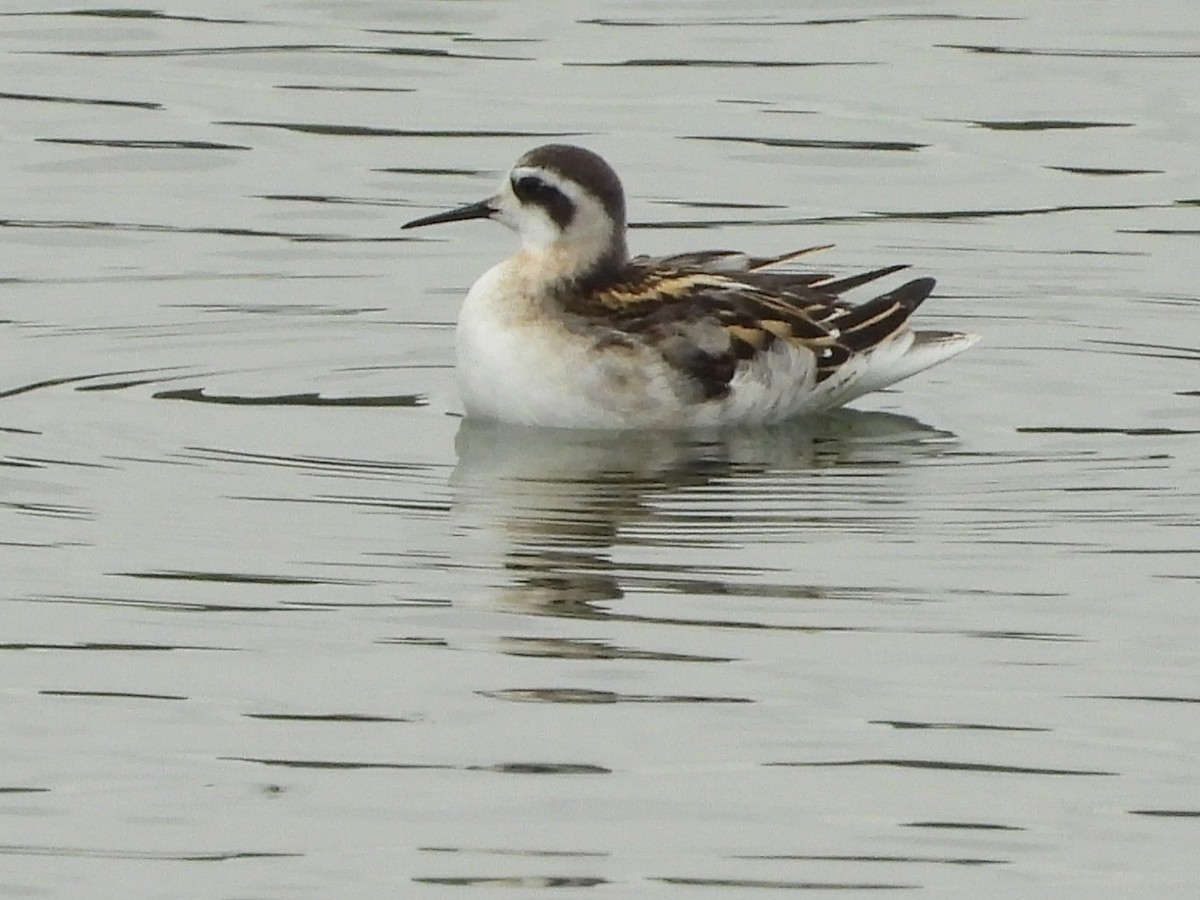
column 572, row 332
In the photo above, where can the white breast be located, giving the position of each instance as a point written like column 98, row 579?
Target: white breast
column 519, row 362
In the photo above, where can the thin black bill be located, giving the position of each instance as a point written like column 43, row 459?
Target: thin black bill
column 481, row 210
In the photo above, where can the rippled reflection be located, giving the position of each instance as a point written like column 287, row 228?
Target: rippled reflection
column 551, row 507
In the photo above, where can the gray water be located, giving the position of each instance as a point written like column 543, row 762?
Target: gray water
column 277, row 623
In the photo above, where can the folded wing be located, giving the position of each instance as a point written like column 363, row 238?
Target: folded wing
column 709, row 312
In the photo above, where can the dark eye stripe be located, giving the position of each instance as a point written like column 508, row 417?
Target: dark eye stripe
column 531, row 189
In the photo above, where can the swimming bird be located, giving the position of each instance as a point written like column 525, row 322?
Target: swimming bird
column 571, row 332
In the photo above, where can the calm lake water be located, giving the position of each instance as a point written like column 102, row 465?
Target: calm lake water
column 276, row 623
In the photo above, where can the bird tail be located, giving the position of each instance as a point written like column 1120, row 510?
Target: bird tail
column 925, row 350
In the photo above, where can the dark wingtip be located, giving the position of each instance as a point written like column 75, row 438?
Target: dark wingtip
column 867, row 324
column 912, row 294
column 841, row 285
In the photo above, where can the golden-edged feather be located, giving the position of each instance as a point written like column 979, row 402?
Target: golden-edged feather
column 678, row 303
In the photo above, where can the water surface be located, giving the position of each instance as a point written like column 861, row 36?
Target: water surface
column 278, row 623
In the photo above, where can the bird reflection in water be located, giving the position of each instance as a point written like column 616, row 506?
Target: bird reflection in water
column 548, row 508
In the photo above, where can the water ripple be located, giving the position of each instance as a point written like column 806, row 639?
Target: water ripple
column 1044, row 124
column 368, row 131
column 715, row 64
column 784, row 885
column 513, row 881
column 87, row 101
column 197, row 395
column 1075, row 53
column 120, row 695
column 154, row 855
column 144, row 144
column 935, row 860
column 125, row 13
column 772, row 22
column 945, row 765
column 580, row 695
column 953, row 726
column 809, row 144
column 154, row 53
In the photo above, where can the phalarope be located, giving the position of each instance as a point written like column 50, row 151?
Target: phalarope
column 572, row 332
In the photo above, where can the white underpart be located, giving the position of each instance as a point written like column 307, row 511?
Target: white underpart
column 518, row 362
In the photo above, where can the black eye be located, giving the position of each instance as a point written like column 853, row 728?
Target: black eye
column 530, row 188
